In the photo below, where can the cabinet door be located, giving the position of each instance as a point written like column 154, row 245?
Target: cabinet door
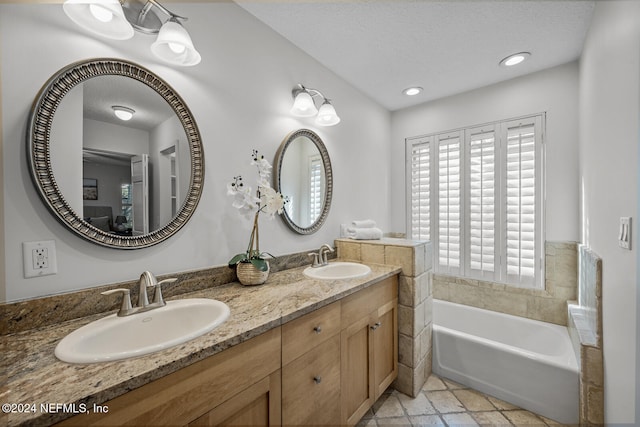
column 357, row 387
column 385, row 345
column 311, row 387
column 258, row 405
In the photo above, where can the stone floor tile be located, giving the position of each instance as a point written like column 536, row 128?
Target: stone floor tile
column 434, row 383
column 462, row 419
column 390, row 408
column 444, row 401
column 501, row 404
column 426, row 420
column 554, row 423
column 452, row 385
column 418, row 405
column 367, row 422
column 492, row 418
column 368, row 414
column 395, row 421
column 473, row 400
column 523, row 418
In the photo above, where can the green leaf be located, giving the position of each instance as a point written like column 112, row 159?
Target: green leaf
column 260, row 264
column 238, row 258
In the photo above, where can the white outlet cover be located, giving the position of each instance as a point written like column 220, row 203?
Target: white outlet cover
column 29, row 268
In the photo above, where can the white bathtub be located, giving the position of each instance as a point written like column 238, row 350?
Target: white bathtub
column 525, row 362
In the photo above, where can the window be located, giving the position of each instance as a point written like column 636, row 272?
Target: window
column 315, row 188
column 476, row 194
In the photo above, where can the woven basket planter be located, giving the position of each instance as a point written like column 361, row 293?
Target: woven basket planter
column 249, row 275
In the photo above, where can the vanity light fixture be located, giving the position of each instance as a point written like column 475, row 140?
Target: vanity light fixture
column 412, row 91
column 304, row 106
column 123, row 113
column 117, row 19
column 514, row 59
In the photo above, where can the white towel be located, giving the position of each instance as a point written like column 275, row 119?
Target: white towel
column 371, row 233
column 365, row 223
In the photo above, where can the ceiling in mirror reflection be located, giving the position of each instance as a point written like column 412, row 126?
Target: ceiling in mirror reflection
column 101, row 94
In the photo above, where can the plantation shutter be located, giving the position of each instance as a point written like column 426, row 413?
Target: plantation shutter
column 315, row 188
column 520, row 203
column 449, row 203
column 420, row 189
column 481, row 203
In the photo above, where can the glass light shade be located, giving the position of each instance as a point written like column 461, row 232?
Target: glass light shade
column 102, row 17
column 303, row 105
column 327, row 115
column 123, row 113
column 174, row 45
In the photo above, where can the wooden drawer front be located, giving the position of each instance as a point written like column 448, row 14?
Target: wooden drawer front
column 360, row 304
column 309, row 331
column 311, row 387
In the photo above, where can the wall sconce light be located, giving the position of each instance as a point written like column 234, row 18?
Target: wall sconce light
column 117, row 19
column 304, row 106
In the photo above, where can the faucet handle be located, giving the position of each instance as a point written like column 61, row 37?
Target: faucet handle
column 316, row 262
column 125, row 306
column 157, row 296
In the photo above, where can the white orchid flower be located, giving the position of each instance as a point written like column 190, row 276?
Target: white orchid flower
column 271, row 202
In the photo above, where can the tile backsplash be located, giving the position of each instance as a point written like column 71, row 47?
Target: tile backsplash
column 34, row 313
column 548, row 305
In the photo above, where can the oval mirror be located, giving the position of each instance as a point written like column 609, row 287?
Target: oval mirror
column 115, row 153
column 303, row 174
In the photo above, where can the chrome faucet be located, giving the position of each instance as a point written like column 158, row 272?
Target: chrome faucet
column 320, row 258
column 147, row 280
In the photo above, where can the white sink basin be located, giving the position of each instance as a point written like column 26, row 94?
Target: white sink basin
column 337, row 270
column 115, row 338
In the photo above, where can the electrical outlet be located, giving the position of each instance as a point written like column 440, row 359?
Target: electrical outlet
column 39, row 258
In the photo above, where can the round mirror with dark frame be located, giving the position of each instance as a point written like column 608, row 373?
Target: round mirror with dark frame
column 303, row 174
column 115, row 153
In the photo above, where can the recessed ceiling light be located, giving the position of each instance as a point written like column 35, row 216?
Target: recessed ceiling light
column 514, row 59
column 412, row 91
column 123, row 113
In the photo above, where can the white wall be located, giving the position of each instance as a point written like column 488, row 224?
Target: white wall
column 609, row 137
column 554, row 91
column 240, row 95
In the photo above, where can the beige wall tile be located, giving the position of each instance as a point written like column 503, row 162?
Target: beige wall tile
column 372, row 253
column 406, row 352
column 349, row 250
column 404, row 382
column 402, row 257
column 405, row 320
column 407, row 291
column 591, row 370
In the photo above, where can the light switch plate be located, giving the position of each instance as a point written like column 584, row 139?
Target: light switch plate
column 624, row 233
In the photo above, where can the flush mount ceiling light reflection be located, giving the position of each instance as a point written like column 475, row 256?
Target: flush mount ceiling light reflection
column 304, row 106
column 514, row 59
column 123, row 113
column 412, row 91
column 117, row 20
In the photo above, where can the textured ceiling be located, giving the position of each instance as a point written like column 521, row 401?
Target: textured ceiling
column 446, row 47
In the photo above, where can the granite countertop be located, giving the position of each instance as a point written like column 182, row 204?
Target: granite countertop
column 33, row 376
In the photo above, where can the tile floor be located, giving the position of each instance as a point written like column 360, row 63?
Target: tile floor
column 445, row 403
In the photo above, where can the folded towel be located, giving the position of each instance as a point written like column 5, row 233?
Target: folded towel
column 365, row 223
column 371, row 233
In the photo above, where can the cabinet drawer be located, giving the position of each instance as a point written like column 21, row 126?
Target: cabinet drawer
column 360, row 304
column 311, row 387
column 309, row 331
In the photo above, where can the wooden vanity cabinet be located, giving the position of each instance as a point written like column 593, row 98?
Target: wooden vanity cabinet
column 239, row 386
column 327, row 367
column 369, row 347
column 311, row 368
